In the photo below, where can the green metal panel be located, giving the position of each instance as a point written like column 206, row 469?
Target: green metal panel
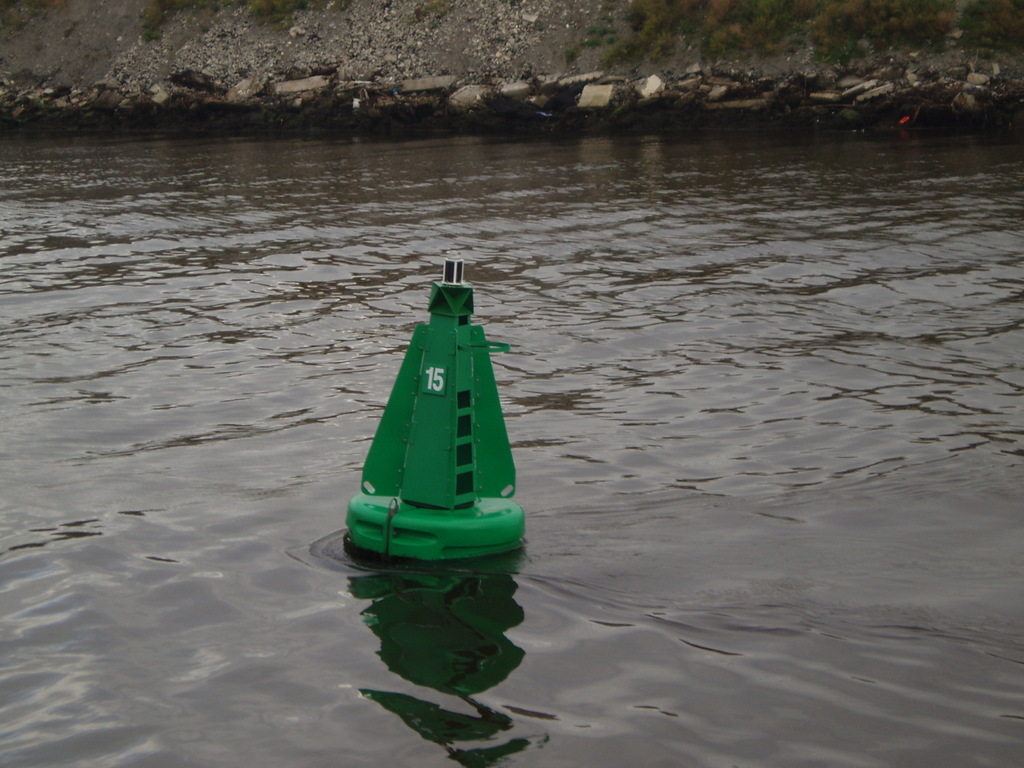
column 495, row 470
column 430, row 459
column 385, row 462
column 451, row 300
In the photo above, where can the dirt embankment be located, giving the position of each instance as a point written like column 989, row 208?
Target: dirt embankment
column 482, row 65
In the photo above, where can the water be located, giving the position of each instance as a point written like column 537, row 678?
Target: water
column 765, row 403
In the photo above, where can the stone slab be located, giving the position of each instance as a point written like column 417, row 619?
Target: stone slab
column 315, row 83
column 589, row 77
column 518, row 89
column 468, row 96
column 874, row 93
column 861, row 87
column 650, row 87
column 427, row 84
column 596, row 96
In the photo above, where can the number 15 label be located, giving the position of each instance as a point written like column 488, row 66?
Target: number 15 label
column 433, row 381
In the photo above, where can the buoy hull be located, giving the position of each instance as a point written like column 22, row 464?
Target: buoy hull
column 490, row 526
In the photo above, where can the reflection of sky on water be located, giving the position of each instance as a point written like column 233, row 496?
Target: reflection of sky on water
column 446, row 632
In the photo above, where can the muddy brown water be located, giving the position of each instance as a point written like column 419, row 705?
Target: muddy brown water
column 765, row 397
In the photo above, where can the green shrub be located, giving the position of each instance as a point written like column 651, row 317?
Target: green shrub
column 656, row 24
column 836, row 26
column 722, row 25
column 839, row 24
column 994, row 24
column 600, row 34
column 754, row 24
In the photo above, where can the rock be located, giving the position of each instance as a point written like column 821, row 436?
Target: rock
column 315, row 83
column 718, row 92
column 861, row 87
column 515, row 90
column 107, row 100
column 196, row 81
column 426, row 84
column 160, row 95
column 965, row 101
column 596, row 96
column 548, row 85
column 874, row 93
column 129, row 103
column 826, row 96
column 650, row 87
column 589, row 77
column 245, row 89
column 972, row 98
column 978, row 78
column 468, row 96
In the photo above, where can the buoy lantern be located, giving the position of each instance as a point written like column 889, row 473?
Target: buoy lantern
column 439, row 477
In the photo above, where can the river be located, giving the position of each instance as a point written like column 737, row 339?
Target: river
column 765, row 400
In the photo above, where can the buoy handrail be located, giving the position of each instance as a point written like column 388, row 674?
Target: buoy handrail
column 494, row 346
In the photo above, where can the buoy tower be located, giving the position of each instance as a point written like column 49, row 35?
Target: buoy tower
column 439, row 477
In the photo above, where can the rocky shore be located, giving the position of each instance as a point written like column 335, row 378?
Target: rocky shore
column 487, row 66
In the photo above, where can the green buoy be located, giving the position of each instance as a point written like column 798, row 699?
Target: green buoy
column 439, row 478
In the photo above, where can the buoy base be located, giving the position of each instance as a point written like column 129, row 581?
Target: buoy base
column 391, row 528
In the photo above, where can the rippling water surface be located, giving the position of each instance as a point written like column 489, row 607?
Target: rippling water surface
column 765, row 403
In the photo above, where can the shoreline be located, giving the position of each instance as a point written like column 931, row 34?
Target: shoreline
column 483, row 66
column 591, row 102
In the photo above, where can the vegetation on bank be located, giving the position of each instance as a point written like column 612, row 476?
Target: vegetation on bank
column 277, row 12
column 997, row 24
column 837, row 28
column 15, row 12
